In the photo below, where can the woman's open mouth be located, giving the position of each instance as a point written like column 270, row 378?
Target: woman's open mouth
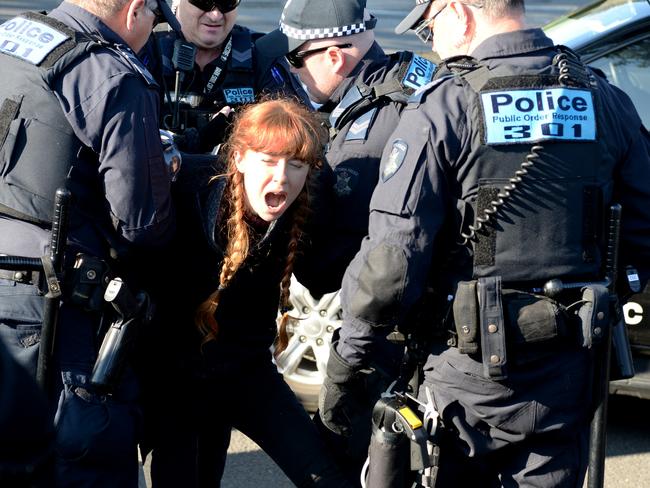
column 275, row 201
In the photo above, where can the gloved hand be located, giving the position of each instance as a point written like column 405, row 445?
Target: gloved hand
column 216, row 131
column 341, row 397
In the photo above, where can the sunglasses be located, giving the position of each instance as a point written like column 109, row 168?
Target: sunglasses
column 296, row 58
column 224, row 6
column 424, row 28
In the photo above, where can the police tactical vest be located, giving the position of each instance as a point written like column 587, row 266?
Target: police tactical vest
column 361, row 102
column 543, row 176
column 39, row 151
column 235, row 81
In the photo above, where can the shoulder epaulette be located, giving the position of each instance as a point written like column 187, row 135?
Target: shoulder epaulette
column 127, row 54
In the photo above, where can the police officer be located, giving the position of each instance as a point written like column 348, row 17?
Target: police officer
column 331, row 46
column 226, row 70
column 80, row 111
column 496, row 181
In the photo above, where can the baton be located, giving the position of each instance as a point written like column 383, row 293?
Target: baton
column 58, row 239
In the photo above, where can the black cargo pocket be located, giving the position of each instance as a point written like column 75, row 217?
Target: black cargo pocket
column 400, row 178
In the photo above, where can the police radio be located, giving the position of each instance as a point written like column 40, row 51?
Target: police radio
column 183, row 61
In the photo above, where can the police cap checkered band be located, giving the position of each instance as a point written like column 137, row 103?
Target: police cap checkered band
column 304, row 20
column 413, row 17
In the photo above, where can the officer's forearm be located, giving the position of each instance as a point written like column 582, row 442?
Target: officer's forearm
column 356, row 342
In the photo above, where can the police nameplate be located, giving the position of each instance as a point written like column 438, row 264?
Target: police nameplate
column 239, row 95
column 524, row 116
column 419, row 73
column 29, row 40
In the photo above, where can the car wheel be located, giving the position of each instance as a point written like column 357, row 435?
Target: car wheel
column 304, row 361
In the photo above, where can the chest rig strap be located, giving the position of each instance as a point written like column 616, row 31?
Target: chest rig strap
column 360, row 103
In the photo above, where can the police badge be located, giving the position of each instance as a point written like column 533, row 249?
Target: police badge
column 395, row 159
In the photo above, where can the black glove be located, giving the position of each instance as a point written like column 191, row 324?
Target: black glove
column 214, row 132
column 342, row 398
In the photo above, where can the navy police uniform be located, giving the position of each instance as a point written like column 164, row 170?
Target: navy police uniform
column 362, row 113
column 240, row 75
column 514, row 388
column 230, row 382
column 78, row 110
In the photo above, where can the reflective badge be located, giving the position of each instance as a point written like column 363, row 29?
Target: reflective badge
column 419, row 73
column 29, row 40
column 346, row 180
column 395, row 159
column 524, row 116
column 239, row 95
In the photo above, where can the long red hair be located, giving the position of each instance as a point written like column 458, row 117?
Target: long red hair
column 277, row 127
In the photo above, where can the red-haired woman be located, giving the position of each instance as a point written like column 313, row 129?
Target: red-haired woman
column 240, row 236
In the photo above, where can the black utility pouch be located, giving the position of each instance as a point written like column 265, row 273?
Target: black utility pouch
column 594, row 315
column 535, row 324
column 465, row 310
column 533, row 318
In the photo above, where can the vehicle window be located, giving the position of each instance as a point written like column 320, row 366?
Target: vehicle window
column 629, row 69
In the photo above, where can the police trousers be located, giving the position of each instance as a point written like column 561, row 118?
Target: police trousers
column 96, row 435
column 531, row 429
column 257, row 402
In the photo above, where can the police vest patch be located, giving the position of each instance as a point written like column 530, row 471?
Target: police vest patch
column 29, row 40
column 395, row 159
column 346, row 180
column 239, row 95
column 419, row 73
column 525, row 116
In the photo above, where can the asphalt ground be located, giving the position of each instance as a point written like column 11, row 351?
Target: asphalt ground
column 628, row 449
